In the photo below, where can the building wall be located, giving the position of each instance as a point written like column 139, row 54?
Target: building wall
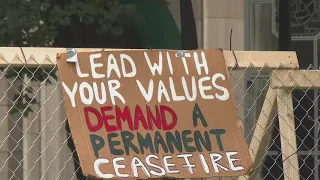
column 34, row 147
column 215, row 19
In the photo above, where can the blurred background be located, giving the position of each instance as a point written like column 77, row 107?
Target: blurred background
column 35, row 142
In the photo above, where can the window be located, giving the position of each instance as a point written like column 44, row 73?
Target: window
column 262, row 34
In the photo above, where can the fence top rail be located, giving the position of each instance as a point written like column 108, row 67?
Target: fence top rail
column 46, row 57
column 300, row 79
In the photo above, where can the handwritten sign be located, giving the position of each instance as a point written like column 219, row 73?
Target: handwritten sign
column 146, row 114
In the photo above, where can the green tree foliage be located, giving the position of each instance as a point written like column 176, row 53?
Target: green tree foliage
column 37, row 22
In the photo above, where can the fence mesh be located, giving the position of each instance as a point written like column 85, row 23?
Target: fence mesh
column 35, row 143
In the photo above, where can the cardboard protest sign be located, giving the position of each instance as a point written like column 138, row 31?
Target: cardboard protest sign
column 146, row 114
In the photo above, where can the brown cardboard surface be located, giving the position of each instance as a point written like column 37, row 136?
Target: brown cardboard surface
column 128, row 122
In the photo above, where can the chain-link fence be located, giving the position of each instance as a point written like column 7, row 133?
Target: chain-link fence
column 35, row 137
